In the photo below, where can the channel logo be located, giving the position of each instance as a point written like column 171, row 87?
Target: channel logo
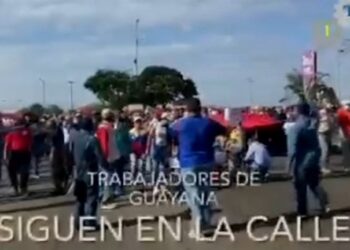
column 342, row 13
column 327, row 34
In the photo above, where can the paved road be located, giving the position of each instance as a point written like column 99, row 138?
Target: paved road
column 237, row 204
column 42, row 188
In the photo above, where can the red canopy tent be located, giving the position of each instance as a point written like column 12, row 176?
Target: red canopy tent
column 220, row 118
column 250, row 121
column 258, row 121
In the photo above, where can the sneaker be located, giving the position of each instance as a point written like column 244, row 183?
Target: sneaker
column 109, row 206
column 325, row 171
column 192, row 234
column 156, row 191
column 35, row 176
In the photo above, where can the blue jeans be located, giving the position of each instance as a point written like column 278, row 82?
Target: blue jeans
column 87, row 206
column 109, row 191
column 201, row 212
column 325, row 140
column 137, row 164
column 160, row 157
column 309, row 178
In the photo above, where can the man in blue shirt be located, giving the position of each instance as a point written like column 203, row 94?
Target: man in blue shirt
column 305, row 153
column 196, row 135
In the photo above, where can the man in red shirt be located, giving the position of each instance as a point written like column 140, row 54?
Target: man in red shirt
column 106, row 135
column 17, row 153
column 344, row 123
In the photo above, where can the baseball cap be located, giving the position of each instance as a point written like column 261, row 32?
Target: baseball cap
column 137, row 118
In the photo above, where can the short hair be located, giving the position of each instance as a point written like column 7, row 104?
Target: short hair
column 87, row 124
column 304, row 109
column 193, row 105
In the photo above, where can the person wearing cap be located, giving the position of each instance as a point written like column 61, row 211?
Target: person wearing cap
column 138, row 137
column 196, row 135
column 304, row 150
column 107, row 139
column 343, row 116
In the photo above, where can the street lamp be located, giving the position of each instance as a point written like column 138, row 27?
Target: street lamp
column 71, row 83
column 345, row 45
column 136, row 60
column 43, row 90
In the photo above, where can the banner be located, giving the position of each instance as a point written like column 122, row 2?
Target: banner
column 309, row 69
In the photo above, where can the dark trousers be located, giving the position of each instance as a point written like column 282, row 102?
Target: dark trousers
column 120, row 169
column 18, row 169
column 68, row 161
column 87, row 203
column 59, row 173
column 309, row 178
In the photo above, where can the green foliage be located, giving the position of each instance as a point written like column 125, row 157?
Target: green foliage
column 320, row 93
column 54, row 109
column 296, row 85
column 37, row 110
column 155, row 85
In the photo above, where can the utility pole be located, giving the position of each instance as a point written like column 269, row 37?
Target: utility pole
column 71, row 83
column 343, row 50
column 136, row 60
column 43, row 85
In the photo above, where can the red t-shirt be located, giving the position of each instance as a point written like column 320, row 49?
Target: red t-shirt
column 344, row 121
column 20, row 140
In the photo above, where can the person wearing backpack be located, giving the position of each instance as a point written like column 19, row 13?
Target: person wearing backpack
column 88, row 158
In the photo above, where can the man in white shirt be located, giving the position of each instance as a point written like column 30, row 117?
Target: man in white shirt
column 258, row 157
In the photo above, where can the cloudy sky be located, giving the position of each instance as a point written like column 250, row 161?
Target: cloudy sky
column 219, row 43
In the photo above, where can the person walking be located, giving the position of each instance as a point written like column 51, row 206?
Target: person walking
column 57, row 158
column 2, row 145
column 161, row 142
column 17, row 154
column 343, row 115
column 139, row 138
column 123, row 141
column 196, row 136
column 288, row 129
column 305, row 159
column 88, row 157
column 39, row 146
column 325, row 139
column 106, row 135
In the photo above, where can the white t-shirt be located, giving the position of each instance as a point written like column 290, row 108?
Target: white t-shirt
column 287, row 126
column 161, row 134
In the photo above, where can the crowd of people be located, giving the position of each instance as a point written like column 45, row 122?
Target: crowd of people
column 185, row 138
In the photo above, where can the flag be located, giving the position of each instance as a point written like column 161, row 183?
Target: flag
column 309, row 68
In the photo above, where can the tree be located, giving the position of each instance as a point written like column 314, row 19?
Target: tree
column 111, row 87
column 36, row 109
column 163, row 84
column 54, row 109
column 319, row 93
column 155, row 85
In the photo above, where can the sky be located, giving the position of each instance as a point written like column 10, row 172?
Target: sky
column 220, row 44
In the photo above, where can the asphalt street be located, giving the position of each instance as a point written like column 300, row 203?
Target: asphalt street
column 237, row 205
